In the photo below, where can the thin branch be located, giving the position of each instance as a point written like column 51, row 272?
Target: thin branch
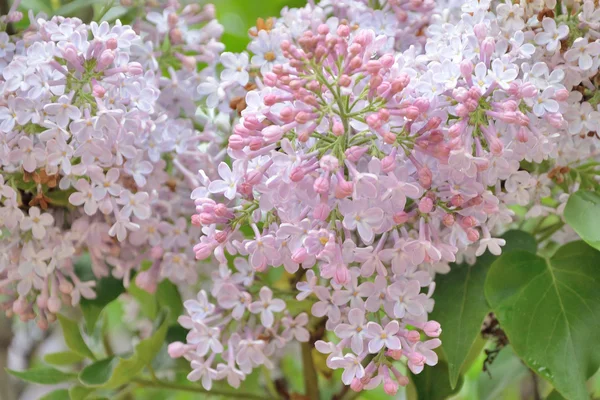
column 311, row 382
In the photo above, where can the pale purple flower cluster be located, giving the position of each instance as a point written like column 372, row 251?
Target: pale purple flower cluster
column 364, row 171
column 99, row 153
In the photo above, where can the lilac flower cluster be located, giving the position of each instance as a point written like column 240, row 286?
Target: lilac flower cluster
column 100, row 152
column 374, row 148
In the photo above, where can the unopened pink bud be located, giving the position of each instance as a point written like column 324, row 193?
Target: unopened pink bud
column 321, row 185
column 356, row 384
column 425, row 205
column 561, row 95
column 252, row 123
column 338, row 128
column 480, row 30
column 135, row 68
column 54, row 304
column 236, row 142
column 98, row 91
column 354, row 153
column 112, row 44
column 345, row 81
column 466, row 68
column 395, row 354
column 343, row 31
column 432, row 329
column 425, row 177
column 472, row 235
column 448, row 220
column 343, row 189
column 176, row 350
column 342, row 275
column 321, row 212
column 389, row 138
column 400, row 217
column 221, row 237
column 202, row 251
column 273, row 133
column 297, row 174
column 107, row 57
column 390, row 387
column 323, row 29
column 300, row 255
column 388, row 163
column 413, row 336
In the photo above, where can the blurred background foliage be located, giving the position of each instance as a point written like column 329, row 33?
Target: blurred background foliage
column 507, row 378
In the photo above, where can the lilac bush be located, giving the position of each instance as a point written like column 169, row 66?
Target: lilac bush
column 323, row 190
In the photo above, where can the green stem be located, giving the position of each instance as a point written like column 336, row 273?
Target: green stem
column 197, row 389
column 311, row 382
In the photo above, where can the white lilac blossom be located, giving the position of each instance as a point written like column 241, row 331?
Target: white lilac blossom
column 374, row 148
column 100, row 152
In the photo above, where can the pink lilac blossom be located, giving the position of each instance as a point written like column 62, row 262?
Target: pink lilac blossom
column 378, row 147
column 100, row 152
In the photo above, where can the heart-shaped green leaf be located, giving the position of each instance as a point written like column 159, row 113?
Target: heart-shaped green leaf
column 550, row 311
column 460, row 304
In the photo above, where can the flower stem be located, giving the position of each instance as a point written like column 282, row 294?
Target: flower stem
column 311, row 382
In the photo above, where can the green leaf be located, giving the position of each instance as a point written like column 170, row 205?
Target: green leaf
column 554, row 395
column 114, row 371
column 460, row 304
column 73, row 337
column 37, row 6
column 168, row 298
column 99, row 372
column 43, row 375
column 433, row 383
column 583, row 214
column 71, row 8
column 107, row 290
column 79, row 392
column 506, row 371
column 550, row 311
column 60, row 394
column 148, row 302
column 63, row 358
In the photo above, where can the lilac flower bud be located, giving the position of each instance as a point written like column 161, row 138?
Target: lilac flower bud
column 354, row 153
column 432, row 329
column 176, row 349
column 135, row 68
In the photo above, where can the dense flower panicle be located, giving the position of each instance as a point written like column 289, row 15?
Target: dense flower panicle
column 375, row 147
column 100, row 152
column 323, row 177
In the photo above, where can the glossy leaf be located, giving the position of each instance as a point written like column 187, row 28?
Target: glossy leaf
column 550, row 311
column 114, row 371
column 73, row 337
column 43, row 375
column 433, row 383
column 583, row 214
column 63, row 358
column 460, row 304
